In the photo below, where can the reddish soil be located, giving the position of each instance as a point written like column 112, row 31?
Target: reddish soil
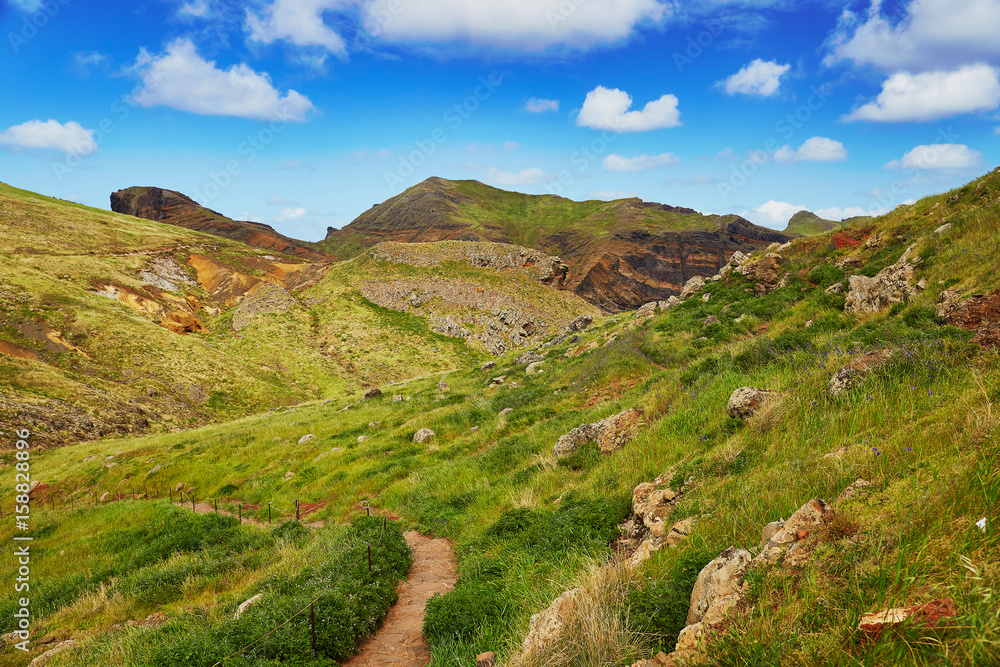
column 980, row 313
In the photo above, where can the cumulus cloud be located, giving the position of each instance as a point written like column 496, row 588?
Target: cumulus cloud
column 932, row 34
column 511, row 24
column 837, row 213
column 299, row 22
column 181, row 79
column 541, row 105
column 524, row 177
column 773, row 214
column 760, row 77
column 69, row 138
column 291, row 214
column 84, row 60
column 640, row 162
column 938, row 156
column 816, row 149
column 933, row 95
column 608, row 109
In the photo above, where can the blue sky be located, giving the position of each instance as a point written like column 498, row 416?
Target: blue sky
column 303, row 114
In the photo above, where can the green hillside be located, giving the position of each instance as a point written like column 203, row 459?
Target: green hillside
column 921, row 429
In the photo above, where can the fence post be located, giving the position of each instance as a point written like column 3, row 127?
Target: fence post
column 296, row 509
column 241, row 513
column 269, row 514
column 171, row 492
column 369, row 559
column 216, row 505
column 192, row 504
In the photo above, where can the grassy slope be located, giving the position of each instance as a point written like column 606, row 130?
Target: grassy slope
column 55, row 253
column 922, row 431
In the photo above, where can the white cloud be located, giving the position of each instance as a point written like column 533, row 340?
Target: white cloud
column 760, row 77
column 639, row 163
column 611, row 194
column 69, row 138
column 511, row 145
column 933, row 34
column 511, row 24
column 938, row 156
column 291, row 214
column 181, row 79
column 197, row 8
column 541, row 105
column 523, row 177
column 300, row 22
column 773, row 214
column 608, row 109
column 816, row 149
column 837, row 213
column 933, row 95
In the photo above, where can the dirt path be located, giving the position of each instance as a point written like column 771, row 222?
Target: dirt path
column 400, row 640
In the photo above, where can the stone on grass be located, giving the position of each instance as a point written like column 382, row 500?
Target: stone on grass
column 747, row 400
column 859, row 486
column 374, row 392
column 581, row 323
column 692, row 286
column 534, row 367
column 442, row 386
column 488, row 365
column 720, row 578
column 506, row 411
column 306, row 438
column 857, row 370
column 528, row 357
column 248, row 603
column 928, row 613
column 423, row 435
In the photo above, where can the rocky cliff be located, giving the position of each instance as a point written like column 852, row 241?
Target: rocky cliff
column 177, row 209
column 619, row 254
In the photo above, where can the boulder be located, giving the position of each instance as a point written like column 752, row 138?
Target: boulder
column 610, row 433
column 488, row 365
column 374, row 392
column 835, row 288
column 711, row 319
column 104, row 496
column 738, row 259
column 859, row 486
column 529, row 357
column 155, row 468
column 705, row 297
column 720, row 578
column 44, row 658
column 647, row 310
column 505, row 412
column 889, row 286
column 442, row 386
column 398, row 398
column 857, row 370
column 747, row 400
column 533, row 367
column 546, row 626
column 306, row 438
column 692, row 286
column 423, row 435
column 581, row 323
column 498, row 380
column 943, row 229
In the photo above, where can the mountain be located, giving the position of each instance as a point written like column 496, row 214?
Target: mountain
column 178, row 209
column 807, row 223
column 621, row 254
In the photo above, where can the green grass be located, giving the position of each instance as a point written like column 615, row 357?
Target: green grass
column 922, row 430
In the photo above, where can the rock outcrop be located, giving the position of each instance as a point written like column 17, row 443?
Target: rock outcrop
column 889, row 286
column 175, row 208
column 546, row 269
column 610, row 433
column 851, row 374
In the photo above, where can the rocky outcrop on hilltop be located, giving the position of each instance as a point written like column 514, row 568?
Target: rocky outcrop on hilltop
column 537, row 265
column 619, row 254
column 175, row 208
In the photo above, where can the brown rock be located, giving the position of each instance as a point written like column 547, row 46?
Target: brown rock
column 928, row 613
column 746, row 400
column 857, row 370
column 181, row 323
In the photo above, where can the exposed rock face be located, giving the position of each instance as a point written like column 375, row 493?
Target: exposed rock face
column 581, row 323
column 889, row 286
column 497, row 320
column 610, row 433
column 636, row 260
column 746, row 400
column 262, row 299
column 163, row 272
column 529, row 357
column 175, row 208
column 692, row 286
column 546, row 269
column 928, row 613
column 979, row 313
column 645, row 531
column 854, row 372
column 546, row 626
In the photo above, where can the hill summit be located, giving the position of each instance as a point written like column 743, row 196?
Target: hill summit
column 621, row 254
